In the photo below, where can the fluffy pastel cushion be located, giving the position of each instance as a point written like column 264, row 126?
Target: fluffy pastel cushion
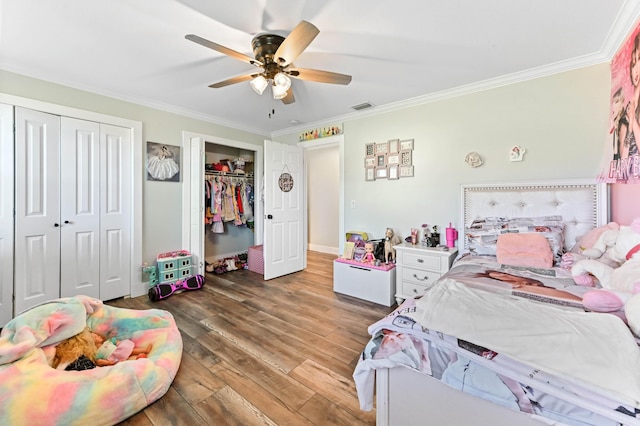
column 482, row 235
column 33, row 393
column 530, row 250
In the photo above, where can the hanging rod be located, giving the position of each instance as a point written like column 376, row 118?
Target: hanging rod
column 229, row 174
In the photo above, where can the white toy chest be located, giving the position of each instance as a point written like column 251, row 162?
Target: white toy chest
column 365, row 281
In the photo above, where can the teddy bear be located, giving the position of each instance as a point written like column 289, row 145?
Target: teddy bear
column 620, row 286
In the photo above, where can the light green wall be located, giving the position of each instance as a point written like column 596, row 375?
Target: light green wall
column 162, row 201
column 561, row 120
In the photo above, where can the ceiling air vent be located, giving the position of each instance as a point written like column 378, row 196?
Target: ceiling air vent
column 362, row 106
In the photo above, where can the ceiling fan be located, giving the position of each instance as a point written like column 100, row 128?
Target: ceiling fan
column 275, row 54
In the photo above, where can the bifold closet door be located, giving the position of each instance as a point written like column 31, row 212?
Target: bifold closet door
column 37, row 208
column 115, row 211
column 6, row 214
column 79, row 208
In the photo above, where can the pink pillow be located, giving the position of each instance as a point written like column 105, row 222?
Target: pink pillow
column 531, row 250
column 589, row 239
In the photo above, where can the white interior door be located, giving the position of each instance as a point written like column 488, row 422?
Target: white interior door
column 37, row 217
column 80, row 208
column 115, row 211
column 284, row 189
column 6, row 214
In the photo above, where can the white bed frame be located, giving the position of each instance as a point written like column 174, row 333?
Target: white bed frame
column 407, row 397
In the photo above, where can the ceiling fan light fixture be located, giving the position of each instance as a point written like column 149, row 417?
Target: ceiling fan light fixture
column 278, row 92
column 258, row 84
column 282, row 80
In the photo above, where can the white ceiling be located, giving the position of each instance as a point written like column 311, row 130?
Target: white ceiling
column 399, row 53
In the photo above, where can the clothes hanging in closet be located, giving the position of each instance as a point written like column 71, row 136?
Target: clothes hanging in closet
column 227, row 200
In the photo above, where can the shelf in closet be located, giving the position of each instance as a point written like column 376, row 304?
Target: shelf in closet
column 229, row 174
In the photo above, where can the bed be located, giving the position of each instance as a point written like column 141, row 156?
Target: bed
column 449, row 338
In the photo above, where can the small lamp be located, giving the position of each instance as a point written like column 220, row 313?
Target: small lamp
column 258, row 84
column 278, row 92
column 282, row 80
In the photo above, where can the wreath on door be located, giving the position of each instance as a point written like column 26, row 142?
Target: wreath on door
column 285, row 181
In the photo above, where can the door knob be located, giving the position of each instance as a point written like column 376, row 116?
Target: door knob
column 56, row 224
column 66, row 221
column 269, row 216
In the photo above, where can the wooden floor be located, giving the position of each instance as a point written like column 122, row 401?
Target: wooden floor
column 277, row 352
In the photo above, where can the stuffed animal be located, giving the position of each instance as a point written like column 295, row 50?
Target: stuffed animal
column 390, row 240
column 87, row 349
column 621, row 285
column 76, row 353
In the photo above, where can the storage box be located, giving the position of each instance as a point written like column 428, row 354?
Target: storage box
column 373, row 283
column 256, row 259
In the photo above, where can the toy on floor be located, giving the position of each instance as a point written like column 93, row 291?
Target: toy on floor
column 87, row 350
column 164, row 290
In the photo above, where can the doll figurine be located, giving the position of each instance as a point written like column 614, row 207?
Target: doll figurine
column 111, row 351
column 368, row 257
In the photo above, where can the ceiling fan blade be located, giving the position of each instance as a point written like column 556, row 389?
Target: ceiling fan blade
column 289, row 99
column 233, row 80
column 319, row 76
column 224, row 50
column 298, row 40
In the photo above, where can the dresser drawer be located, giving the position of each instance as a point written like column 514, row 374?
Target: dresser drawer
column 423, row 261
column 410, row 289
column 419, row 276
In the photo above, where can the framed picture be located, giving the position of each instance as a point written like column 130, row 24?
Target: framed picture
column 405, row 158
column 163, row 162
column 382, row 148
column 406, row 144
column 382, row 172
column 405, row 171
column 370, row 173
column 381, row 161
column 394, row 145
column 393, row 172
column 370, row 161
column 393, row 159
column 370, row 149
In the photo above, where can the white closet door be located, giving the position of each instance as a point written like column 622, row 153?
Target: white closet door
column 6, row 214
column 115, row 211
column 37, row 232
column 80, row 208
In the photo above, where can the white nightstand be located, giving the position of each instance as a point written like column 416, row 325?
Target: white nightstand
column 418, row 267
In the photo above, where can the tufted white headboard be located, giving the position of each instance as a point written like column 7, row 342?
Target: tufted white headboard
column 583, row 205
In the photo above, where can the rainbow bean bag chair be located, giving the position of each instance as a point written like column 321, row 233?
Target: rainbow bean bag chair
column 33, row 393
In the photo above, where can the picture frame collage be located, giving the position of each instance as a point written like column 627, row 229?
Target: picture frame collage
column 390, row 160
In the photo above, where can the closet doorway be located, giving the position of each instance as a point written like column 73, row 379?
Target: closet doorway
column 194, row 230
column 229, row 197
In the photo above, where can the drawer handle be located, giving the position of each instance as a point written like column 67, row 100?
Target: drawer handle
column 361, row 268
column 420, row 279
column 420, row 260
